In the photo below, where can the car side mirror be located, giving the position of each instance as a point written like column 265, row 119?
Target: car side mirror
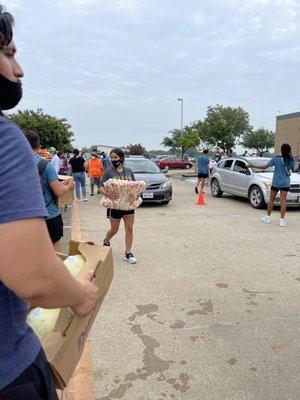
column 248, row 172
column 165, row 170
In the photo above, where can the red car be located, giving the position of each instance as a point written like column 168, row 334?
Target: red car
column 174, row 163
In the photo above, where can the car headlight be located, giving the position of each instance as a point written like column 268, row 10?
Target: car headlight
column 267, row 184
column 167, row 184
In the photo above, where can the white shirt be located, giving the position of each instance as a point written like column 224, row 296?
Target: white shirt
column 56, row 163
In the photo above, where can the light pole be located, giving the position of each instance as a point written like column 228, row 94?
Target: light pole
column 181, row 125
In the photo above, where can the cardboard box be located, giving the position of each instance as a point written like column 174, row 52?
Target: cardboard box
column 67, row 198
column 65, row 344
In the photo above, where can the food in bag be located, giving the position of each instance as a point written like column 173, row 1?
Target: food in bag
column 128, row 192
column 43, row 321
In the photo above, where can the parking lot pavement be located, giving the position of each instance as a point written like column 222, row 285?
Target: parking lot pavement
column 211, row 310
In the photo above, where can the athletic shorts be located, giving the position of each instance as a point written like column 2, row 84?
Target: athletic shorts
column 34, row 383
column 281, row 189
column 202, row 176
column 118, row 214
column 55, row 228
column 95, row 181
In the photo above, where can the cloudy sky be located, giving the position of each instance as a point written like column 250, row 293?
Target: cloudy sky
column 115, row 68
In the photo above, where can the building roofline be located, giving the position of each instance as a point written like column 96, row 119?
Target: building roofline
column 287, row 116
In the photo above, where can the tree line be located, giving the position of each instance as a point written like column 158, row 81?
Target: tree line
column 221, row 130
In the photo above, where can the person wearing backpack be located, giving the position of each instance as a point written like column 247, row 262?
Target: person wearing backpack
column 51, row 187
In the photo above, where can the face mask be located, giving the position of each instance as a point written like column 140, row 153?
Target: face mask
column 116, row 163
column 10, row 93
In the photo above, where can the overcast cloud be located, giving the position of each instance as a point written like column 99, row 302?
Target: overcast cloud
column 114, row 68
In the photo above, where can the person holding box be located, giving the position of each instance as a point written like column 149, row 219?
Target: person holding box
column 31, row 274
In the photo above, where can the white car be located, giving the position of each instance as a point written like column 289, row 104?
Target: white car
column 230, row 175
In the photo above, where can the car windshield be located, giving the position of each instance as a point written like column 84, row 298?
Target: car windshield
column 142, row 166
column 259, row 163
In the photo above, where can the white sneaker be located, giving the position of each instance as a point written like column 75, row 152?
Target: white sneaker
column 85, row 200
column 129, row 257
column 266, row 219
column 282, row 223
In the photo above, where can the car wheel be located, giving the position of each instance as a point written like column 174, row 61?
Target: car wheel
column 256, row 197
column 187, row 166
column 165, row 202
column 215, row 188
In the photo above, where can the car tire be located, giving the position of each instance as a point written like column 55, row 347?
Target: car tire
column 215, row 188
column 188, row 166
column 256, row 197
column 164, row 203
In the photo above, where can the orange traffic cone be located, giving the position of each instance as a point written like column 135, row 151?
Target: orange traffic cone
column 200, row 199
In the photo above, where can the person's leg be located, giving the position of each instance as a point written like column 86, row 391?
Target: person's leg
column 57, row 246
column 283, row 195
column 92, row 183
column 273, row 194
column 128, row 222
column 77, row 183
column 114, row 227
column 197, row 185
column 82, row 182
column 202, row 183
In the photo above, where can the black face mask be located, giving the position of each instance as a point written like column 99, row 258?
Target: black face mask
column 10, row 93
column 116, row 163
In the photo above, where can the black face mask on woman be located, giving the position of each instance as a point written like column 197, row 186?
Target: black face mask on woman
column 10, row 93
column 116, row 163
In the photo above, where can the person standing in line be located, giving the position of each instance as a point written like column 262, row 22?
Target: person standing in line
column 202, row 170
column 95, row 171
column 284, row 166
column 31, row 274
column 55, row 160
column 78, row 171
column 105, row 161
column 118, row 171
column 51, row 187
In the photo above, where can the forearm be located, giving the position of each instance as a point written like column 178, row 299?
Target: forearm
column 31, row 269
column 57, row 290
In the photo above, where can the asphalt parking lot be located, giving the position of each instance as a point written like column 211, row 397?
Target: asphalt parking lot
column 211, row 310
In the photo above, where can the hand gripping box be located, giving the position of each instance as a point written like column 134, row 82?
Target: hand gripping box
column 65, row 344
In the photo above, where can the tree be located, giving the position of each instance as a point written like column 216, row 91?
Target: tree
column 181, row 140
column 53, row 131
column 136, row 149
column 260, row 140
column 223, row 127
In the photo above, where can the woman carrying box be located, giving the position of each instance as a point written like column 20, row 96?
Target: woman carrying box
column 118, row 171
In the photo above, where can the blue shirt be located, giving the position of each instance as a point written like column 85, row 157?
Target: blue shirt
column 280, row 177
column 49, row 175
column 20, row 198
column 203, row 163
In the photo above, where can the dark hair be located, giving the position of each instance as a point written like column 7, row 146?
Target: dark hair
column 33, row 139
column 59, row 153
column 205, row 151
column 286, row 152
column 76, row 152
column 119, row 153
column 6, row 28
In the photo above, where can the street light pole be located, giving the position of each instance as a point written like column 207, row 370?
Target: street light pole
column 181, row 125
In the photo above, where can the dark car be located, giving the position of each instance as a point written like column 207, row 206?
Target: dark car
column 159, row 186
column 173, row 162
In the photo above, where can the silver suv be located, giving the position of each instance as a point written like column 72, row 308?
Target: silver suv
column 230, row 175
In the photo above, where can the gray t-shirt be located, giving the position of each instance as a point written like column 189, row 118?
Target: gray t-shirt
column 112, row 173
column 20, row 198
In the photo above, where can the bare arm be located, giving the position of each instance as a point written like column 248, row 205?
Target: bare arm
column 59, row 188
column 30, row 268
